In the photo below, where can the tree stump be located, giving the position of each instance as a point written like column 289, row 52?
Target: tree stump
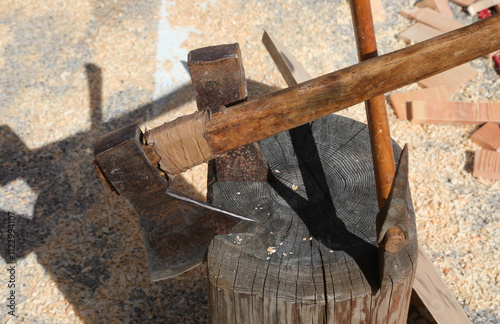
column 313, row 256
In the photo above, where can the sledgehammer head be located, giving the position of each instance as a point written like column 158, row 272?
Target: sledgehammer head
column 176, row 229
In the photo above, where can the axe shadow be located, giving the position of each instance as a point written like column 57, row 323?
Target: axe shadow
column 83, row 235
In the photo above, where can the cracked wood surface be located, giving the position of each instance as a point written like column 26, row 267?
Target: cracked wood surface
column 313, row 257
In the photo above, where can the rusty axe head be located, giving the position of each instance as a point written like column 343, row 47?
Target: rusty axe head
column 176, row 229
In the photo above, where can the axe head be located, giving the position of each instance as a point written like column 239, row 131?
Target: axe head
column 176, row 231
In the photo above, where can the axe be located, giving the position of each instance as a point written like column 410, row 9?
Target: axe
column 176, row 228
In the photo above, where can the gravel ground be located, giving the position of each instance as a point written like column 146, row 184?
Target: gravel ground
column 71, row 71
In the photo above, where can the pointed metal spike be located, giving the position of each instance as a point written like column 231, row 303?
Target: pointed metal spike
column 393, row 214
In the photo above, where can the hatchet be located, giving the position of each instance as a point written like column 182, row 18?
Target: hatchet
column 131, row 162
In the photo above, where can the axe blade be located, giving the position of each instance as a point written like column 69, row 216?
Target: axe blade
column 176, row 229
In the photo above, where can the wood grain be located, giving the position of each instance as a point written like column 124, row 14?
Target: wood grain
column 452, row 79
column 313, row 257
column 285, row 109
column 437, row 297
column 380, row 304
column 488, row 137
column 400, row 101
column 487, row 164
column 453, row 112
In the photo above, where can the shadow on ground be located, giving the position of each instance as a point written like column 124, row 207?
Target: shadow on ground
column 86, row 237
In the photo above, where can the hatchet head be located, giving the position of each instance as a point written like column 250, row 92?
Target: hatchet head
column 176, row 229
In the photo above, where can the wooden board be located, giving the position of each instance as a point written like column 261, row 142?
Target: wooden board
column 441, row 6
column 453, row 112
column 410, row 13
column 401, row 100
column 429, row 24
column 418, row 33
column 480, row 5
column 463, row 3
column 436, row 20
column 378, row 11
column 452, row 79
column 487, row 164
column 488, row 137
column 292, row 71
column 436, row 296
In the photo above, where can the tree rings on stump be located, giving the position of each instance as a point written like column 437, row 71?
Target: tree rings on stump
column 313, row 255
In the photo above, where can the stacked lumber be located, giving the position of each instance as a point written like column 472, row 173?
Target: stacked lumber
column 432, row 104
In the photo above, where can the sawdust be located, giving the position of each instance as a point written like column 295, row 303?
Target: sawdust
column 82, row 258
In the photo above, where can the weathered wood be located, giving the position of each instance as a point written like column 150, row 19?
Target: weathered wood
column 452, row 79
column 453, row 112
column 437, row 297
column 282, row 110
column 488, row 137
column 218, row 79
column 400, row 101
column 487, row 164
column 296, row 72
column 313, row 256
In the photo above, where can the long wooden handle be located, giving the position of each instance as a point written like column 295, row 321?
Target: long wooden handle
column 285, row 109
column 254, row 120
column 376, row 113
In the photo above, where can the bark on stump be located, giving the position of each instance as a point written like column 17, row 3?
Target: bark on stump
column 313, row 258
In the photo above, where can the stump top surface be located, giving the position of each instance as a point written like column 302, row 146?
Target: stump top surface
column 316, row 212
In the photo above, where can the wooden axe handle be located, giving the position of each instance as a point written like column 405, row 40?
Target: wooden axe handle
column 254, row 120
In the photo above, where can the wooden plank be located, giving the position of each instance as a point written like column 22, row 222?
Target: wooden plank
column 453, row 112
column 436, row 296
column 487, row 164
column 378, row 11
column 418, row 33
column 410, row 13
column 401, row 100
column 463, row 3
column 429, row 24
column 443, row 7
column 451, row 79
column 440, row 6
column 480, row 5
column 436, row 20
column 488, row 137
column 292, row 71
column 427, row 4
